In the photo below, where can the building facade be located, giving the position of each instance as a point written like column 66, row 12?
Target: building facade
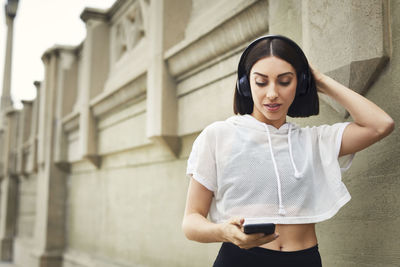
column 94, row 168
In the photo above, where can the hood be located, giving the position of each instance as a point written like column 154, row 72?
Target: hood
column 250, row 122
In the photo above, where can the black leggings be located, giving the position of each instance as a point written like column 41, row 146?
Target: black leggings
column 231, row 255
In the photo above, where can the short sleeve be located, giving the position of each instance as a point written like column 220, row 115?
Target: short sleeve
column 201, row 164
column 330, row 140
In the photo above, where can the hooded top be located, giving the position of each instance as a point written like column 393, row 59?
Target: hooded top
column 289, row 175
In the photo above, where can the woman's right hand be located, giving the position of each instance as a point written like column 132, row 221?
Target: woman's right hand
column 233, row 232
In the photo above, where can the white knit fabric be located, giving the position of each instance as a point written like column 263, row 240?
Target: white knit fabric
column 289, row 175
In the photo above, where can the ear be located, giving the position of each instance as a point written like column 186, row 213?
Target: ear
column 303, row 84
column 243, row 86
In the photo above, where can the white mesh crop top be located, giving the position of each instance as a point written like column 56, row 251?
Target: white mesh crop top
column 289, row 175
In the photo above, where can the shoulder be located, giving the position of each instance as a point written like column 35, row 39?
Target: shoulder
column 324, row 129
column 217, row 128
column 326, row 137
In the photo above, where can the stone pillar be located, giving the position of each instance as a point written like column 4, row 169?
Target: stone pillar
column 24, row 129
column 32, row 164
column 95, row 67
column 66, row 97
column 49, row 233
column 8, row 196
column 161, row 102
column 1, row 151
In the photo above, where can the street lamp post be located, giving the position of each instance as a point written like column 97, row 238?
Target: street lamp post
column 10, row 11
column 8, row 186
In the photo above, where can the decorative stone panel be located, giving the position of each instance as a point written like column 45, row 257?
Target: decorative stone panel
column 349, row 40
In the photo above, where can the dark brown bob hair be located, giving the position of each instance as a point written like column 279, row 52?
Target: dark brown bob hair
column 306, row 101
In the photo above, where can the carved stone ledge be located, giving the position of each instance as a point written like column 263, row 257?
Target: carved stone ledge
column 94, row 159
column 107, row 101
column 172, row 143
column 64, row 166
column 358, row 75
column 71, row 122
column 245, row 26
column 94, row 13
column 210, row 72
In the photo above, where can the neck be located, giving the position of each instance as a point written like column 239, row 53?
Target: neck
column 276, row 123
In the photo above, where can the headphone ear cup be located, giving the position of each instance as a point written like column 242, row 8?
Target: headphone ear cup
column 243, row 86
column 303, row 84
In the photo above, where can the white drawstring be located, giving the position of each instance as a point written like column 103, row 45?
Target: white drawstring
column 297, row 174
column 281, row 207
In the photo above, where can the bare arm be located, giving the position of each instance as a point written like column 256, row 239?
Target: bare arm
column 371, row 123
column 197, row 227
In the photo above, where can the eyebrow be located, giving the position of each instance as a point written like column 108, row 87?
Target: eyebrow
column 266, row 76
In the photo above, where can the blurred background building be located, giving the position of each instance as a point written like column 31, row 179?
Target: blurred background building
column 93, row 169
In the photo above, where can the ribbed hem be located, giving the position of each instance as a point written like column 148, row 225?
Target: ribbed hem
column 339, row 138
column 338, row 146
column 201, row 180
column 305, row 219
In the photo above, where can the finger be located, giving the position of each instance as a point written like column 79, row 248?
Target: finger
column 237, row 221
column 250, row 239
column 256, row 239
column 261, row 241
column 263, row 238
column 268, row 238
column 255, row 236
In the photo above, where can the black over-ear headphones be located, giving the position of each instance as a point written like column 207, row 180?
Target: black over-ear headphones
column 303, row 79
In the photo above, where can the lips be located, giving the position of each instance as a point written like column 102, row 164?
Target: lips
column 272, row 107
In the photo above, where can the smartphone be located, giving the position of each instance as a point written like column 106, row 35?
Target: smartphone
column 266, row 228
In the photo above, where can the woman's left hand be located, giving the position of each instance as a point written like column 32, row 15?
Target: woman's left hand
column 318, row 77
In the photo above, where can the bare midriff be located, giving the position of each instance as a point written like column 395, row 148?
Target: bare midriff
column 293, row 237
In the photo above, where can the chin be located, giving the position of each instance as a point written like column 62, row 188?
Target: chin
column 273, row 117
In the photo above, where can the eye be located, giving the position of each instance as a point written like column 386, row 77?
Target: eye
column 261, row 84
column 285, row 83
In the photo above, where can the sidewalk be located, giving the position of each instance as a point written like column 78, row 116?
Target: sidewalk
column 6, row 264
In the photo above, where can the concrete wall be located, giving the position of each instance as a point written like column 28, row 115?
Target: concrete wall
column 101, row 173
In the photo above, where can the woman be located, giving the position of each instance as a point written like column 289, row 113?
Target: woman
column 257, row 167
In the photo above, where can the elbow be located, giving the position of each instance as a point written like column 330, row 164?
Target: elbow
column 387, row 128
column 186, row 229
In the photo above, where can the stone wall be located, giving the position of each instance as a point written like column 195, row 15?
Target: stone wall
column 96, row 163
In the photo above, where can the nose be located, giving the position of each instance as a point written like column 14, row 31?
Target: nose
column 272, row 92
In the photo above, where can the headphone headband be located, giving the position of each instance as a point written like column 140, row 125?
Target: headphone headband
column 243, row 85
